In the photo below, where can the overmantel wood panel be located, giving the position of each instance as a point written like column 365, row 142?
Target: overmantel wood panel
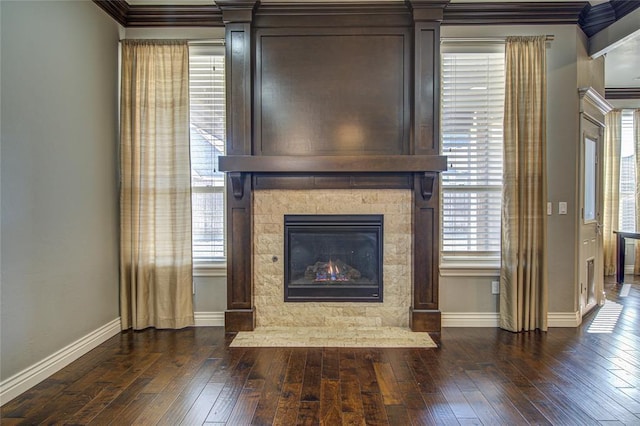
column 332, row 90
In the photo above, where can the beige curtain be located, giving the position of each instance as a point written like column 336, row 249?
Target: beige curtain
column 611, row 189
column 636, row 138
column 523, row 275
column 155, row 195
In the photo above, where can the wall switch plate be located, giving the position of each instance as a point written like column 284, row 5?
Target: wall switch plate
column 549, row 208
column 562, row 207
column 495, row 287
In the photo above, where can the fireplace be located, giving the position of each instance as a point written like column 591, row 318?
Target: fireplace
column 333, row 258
column 297, row 134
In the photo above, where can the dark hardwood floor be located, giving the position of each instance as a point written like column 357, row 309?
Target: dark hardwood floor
column 478, row 376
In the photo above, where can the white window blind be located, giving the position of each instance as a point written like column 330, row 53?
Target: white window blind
column 627, row 174
column 472, row 134
column 207, row 110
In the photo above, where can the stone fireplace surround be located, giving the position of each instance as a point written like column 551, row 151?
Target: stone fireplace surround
column 269, row 208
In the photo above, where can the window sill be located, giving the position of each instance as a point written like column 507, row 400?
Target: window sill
column 469, row 266
column 210, row 269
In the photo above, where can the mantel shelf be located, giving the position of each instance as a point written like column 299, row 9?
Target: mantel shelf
column 333, row 164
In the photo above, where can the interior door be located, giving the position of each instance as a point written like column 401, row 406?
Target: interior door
column 591, row 201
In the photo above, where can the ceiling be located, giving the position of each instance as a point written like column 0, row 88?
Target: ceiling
column 622, row 63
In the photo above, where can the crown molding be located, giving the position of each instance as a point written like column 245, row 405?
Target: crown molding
column 622, row 92
column 174, row 16
column 117, row 9
column 590, row 18
column 197, row 15
column 499, row 13
column 595, row 18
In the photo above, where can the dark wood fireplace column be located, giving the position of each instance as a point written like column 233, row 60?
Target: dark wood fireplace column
column 427, row 16
column 237, row 16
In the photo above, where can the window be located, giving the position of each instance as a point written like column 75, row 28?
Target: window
column 627, row 174
column 207, row 109
column 472, row 114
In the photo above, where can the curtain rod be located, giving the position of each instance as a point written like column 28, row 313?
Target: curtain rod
column 549, row 37
column 212, row 41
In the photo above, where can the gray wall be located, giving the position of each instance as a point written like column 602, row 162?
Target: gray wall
column 59, row 199
column 473, row 293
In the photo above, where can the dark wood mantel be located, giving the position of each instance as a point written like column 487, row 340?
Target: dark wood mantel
column 238, row 167
column 332, row 164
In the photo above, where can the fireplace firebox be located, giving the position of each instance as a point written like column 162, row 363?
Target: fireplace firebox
column 333, row 258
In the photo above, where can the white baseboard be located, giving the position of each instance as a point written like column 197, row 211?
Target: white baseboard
column 564, row 319
column 209, row 319
column 31, row 376
column 492, row 319
column 470, row 319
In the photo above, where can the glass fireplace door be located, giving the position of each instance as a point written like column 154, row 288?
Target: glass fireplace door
column 333, row 258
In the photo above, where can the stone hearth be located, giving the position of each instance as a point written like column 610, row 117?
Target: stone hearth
column 269, row 208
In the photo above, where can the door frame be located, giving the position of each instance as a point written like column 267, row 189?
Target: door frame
column 593, row 108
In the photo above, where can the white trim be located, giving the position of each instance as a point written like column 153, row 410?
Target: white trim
column 469, row 272
column 31, row 376
column 208, row 319
column 564, row 319
column 470, row 319
column 590, row 95
column 492, row 319
column 213, row 269
column 468, row 265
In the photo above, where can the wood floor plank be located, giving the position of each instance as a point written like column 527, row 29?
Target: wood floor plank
column 374, row 411
column 330, row 402
column 245, row 406
column 225, row 403
column 366, row 373
column 331, row 363
column 199, row 410
column 112, row 411
column 273, row 387
column 288, row 404
column 289, row 401
column 309, row 413
column 388, row 384
column 312, row 376
column 201, row 363
column 113, row 391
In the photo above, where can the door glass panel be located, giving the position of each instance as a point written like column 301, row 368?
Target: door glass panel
column 589, row 180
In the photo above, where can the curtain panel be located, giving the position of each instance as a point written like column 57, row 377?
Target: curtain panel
column 523, row 275
column 155, row 194
column 611, row 183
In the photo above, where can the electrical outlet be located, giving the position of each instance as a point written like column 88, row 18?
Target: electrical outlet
column 549, row 208
column 495, row 287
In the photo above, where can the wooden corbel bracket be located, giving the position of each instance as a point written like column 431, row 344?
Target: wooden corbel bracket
column 237, row 183
column 427, row 180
